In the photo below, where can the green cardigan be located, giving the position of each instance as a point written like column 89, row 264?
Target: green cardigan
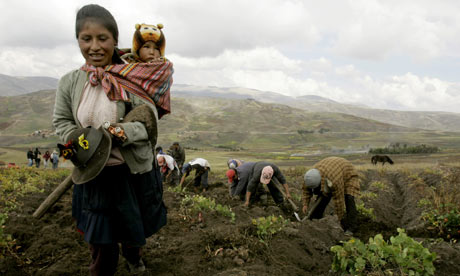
column 136, row 150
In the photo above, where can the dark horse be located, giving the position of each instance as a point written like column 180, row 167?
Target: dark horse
column 381, row 158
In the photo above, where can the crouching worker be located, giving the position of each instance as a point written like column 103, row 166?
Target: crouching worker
column 335, row 178
column 266, row 173
column 201, row 167
column 238, row 179
column 169, row 169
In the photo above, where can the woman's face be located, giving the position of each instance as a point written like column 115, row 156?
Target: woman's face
column 96, row 44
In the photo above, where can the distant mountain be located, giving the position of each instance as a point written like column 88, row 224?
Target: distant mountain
column 443, row 121
column 14, row 86
column 26, row 113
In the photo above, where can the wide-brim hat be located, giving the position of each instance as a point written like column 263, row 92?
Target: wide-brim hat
column 91, row 151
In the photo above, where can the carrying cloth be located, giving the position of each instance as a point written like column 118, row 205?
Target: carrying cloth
column 150, row 81
column 91, row 150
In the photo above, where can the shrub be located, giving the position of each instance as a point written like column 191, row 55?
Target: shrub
column 268, row 226
column 379, row 185
column 367, row 212
column 402, row 255
column 445, row 221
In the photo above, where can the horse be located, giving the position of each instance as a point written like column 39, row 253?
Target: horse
column 381, row 158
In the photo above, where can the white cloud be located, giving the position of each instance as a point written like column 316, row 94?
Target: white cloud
column 343, row 50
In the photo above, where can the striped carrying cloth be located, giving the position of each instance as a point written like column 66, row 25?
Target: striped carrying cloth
column 150, row 81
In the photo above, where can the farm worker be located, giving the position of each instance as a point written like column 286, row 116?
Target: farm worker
column 234, row 163
column 264, row 173
column 335, row 178
column 238, row 179
column 55, row 159
column 37, row 157
column 178, row 153
column 30, row 158
column 46, row 157
column 201, row 167
column 168, row 168
column 119, row 199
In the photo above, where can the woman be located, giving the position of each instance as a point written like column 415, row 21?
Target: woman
column 123, row 204
column 46, row 158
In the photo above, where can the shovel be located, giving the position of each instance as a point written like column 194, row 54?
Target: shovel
column 278, row 186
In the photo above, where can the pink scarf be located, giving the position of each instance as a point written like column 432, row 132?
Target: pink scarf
column 150, row 81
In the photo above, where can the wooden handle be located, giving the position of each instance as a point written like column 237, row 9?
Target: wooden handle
column 278, row 186
column 53, row 197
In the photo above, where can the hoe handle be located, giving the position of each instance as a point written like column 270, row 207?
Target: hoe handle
column 53, row 197
column 278, row 186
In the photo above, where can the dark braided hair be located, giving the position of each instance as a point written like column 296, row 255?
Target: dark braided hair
column 102, row 16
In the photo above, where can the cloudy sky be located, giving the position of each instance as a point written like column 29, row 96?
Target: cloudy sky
column 392, row 54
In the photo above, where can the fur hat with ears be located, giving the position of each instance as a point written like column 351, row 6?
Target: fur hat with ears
column 146, row 33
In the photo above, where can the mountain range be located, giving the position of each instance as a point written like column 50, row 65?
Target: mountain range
column 442, row 121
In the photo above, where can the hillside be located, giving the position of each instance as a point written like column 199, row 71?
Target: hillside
column 443, row 121
column 14, row 86
column 27, row 113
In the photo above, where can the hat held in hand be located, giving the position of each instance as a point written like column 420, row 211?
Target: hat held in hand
column 88, row 149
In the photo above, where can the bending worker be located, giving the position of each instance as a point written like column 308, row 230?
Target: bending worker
column 263, row 172
column 336, row 178
column 201, row 167
column 238, row 179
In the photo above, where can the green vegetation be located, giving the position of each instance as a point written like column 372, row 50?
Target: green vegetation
column 397, row 148
column 197, row 204
column 445, row 220
column 402, row 255
column 367, row 212
column 268, row 226
column 379, row 185
column 368, row 195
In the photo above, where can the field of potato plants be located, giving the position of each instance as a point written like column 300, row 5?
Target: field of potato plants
column 409, row 224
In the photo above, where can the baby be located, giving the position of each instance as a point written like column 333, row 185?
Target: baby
column 148, row 44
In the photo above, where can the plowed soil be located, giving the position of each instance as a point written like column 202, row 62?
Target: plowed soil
column 213, row 245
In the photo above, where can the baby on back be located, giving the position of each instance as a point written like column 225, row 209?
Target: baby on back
column 148, row 44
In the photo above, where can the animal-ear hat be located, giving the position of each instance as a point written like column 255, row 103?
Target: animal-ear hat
column 146, row 33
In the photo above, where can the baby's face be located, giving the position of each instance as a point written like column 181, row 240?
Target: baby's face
column 149, row 52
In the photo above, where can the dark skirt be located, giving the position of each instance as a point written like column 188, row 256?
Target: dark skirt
column 118, row 206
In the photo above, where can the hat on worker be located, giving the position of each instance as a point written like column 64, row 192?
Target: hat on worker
column 187, row 167
column 231, row 175
column 161, row 160
column 88, row 149
column 232, row 164
column 312, row 178
column 266, row 175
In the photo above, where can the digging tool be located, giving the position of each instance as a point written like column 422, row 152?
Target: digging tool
column 53, row 197
column 278, row 186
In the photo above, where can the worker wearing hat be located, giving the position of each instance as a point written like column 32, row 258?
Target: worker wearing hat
column 264, row 173
column 333, row 178
column 238, row 179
